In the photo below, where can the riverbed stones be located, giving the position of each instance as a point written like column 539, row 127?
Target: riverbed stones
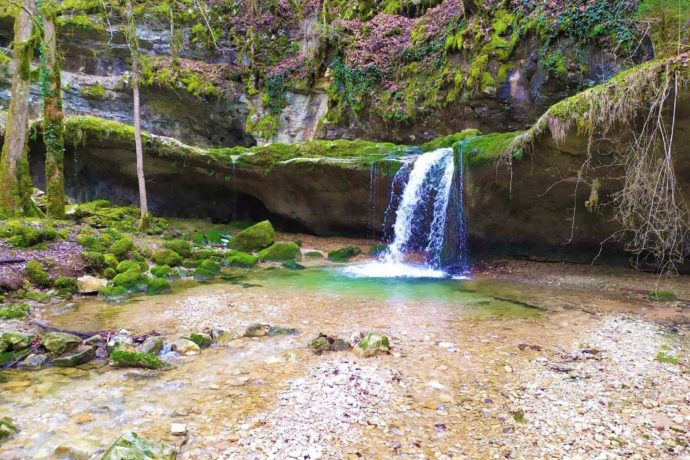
column 254, row 238
column 34, row 361
column 17, row 341
column 202, row 339
column 7, row 428
column 324, row 343
column 60, row 342
column 278, row 331
column 151, row 346
column 185, row 347
column 279, row 252
column 90, row 284
column 257, row 330
column 239, row 259
column 372, row 344
column 131, row 446
column 81, row 355
column 344, row 254
column 178, row 429
column 124, row 358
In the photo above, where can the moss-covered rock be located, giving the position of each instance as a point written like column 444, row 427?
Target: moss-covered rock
column 60, row 342
column 17, row 341
column 124, row 358
column 344, row 254
column 93, row 260
column 254, row 238
column 131, row 446
column 21, row 234
column 113, row 293
column 81, row 355
column 7, row 428
column 161, row 271
column 167, row 257
column 202, row 339
column 206, row 269
column 372, row 344
column 158, row 286
column 278, row 331
column 122, row 247
column 110, row 261
column 182, row 247
column 151, row 346
column 279, row 252
column 65, row 285
column 132, row 280
column 257, row 330
column 314, row 254
column 14, row 311
column 324, row 343
column 35, row 273
column 239, row 259
column 293, row 265
column 127, row 265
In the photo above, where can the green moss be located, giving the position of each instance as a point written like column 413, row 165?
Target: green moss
column 35, row 273
column 313, row 254
column 206, row 254
column 65, row 284
column 93, row 91
column 127, row 265
column 158, row 286
column 15, row 311
column 93, row 260
column 182, row 247
column 486, row 148
column 122, row 247
column 25, row 234
column 121, row 358
column 279, row 252
column 109, row 273
column 132, row 280
column 203, row 340
column 239, row 259
column 448, row 141
column 167, row 257
column 206, row 269
column 7, row 428
column 110, row 261
column 161, row 271
column 114, row 293
column 344, row 254
column 663, row 357
column 663, row 296
column 80, row 22
column 254, row 238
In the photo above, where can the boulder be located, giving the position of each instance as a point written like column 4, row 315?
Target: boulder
column 7, row 428
column 344, row 254
column 185, row 347
column 239, row 259
column 325, row 343
column 372, row 344
column 60, row 342
column 151, row 346
column 202, row 339
column 81, row 355
column 90, row 284
column 131, row 446
column 254, row 238
column 257, row 330
column 17, row 341
column 126, row 358
column 280, row 252
column 34, row 361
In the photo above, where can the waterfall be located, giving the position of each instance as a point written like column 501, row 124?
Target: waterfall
column 429, row 234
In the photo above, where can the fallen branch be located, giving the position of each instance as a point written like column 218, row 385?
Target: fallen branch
column 11, row 261
column 83, row 335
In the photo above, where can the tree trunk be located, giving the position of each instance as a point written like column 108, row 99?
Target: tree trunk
column 53, row 126
column 16, row 189
column 134, row 49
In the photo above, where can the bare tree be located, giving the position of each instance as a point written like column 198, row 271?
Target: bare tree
column 16, row 189
column 53, row 117
column 133, row 43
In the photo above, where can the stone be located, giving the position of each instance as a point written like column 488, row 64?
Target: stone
column 325, row 343
column 372, row 344
column 60, row 342
column 17, row 341
column 77, row 448
column 95, row 340
column 88, row 284
column 202, row 339
column 7, row 428
column 178, row 429
column 34, row 361
column 280, row 252
column 292, row 265
column 151, row 346
column 253, row 238
column 239, row 259
column 120, row 341
column 81, row 355
column 131, row 446
column 344, row 254
column 124, row 358
column 257, row 330
column 185, row 347
column 280, row 331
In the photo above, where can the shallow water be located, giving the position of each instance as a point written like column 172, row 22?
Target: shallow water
column 456, row 334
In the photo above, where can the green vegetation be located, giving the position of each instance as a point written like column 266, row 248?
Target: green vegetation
column 15, row 311
column 36, row 274
column 123, row 358
column 239, row 259
column 93, row 91
column 161, row 271
column 182, row 247
column 344, row 254
column 157, row 286
column 206, row 270
column 253, row 238
column 279, row 252
column 663, row 296
column 167, row 257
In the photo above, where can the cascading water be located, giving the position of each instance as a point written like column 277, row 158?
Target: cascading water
column 429, row 230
